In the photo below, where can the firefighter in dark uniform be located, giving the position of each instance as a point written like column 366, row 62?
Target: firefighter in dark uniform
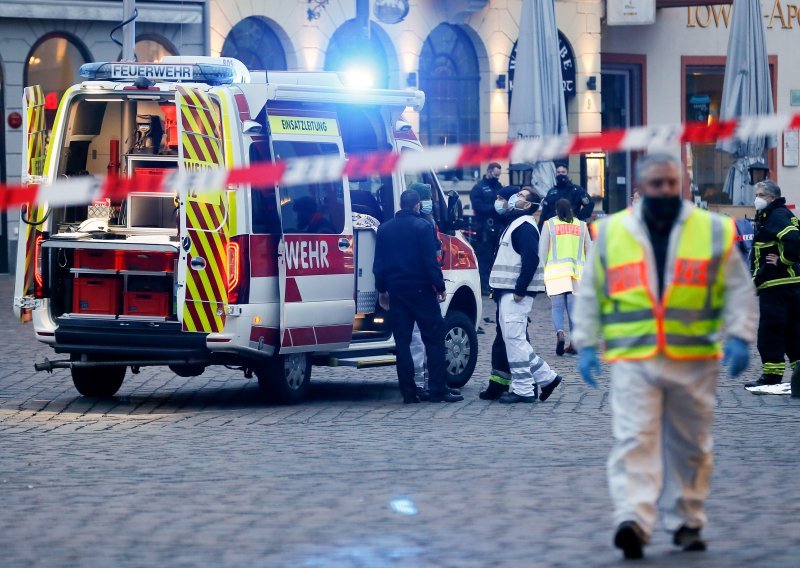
column 775, row 262
column 487, row 232
column 582, row 204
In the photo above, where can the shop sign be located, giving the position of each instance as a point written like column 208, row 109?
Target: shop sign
column 568, row 68
column 779, row 15
column 630, row 12
column 390, row 11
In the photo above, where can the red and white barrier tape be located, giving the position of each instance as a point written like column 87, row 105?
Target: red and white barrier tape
column 319, row 169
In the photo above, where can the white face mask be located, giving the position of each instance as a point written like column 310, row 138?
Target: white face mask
column 500, row 207
column 760, row 203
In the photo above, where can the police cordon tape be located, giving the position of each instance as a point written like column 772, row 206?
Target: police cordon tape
column 321, row 169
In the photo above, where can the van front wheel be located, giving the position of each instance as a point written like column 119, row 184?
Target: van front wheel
column 285, row 378
column 460, row 348
column 98, row 382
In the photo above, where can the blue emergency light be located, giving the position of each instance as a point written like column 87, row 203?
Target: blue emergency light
column 208, row 73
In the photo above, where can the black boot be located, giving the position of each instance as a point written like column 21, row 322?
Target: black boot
column 689, row 539
column 493, row 391
column 764, row 380
column 630, row 539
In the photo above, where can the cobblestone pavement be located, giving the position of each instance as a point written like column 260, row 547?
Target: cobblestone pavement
column 198, row 471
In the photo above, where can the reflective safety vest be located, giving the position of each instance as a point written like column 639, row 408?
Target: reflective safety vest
column 686, row 323
column 508, row 264
column 565, row 257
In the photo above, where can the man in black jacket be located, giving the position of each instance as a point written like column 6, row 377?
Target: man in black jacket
column 582, row 204
column 775, row 263
column 482, row 197
column 515, row 282
column 411, row 285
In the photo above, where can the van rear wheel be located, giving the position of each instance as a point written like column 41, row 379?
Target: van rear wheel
column 98, row 382
column 460, row 348
column 285, row 378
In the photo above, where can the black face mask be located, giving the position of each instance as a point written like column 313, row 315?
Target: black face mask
column 662, row 210
column 562, row 179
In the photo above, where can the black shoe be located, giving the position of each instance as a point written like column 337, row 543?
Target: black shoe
column 764, row 380
column 512, row 397
column 456, row 392
column 548, row 390
column 447, row 397
column 571, row 350
column 410, row 400
column 480, row 331
column 560, row 343
column 422, row 394
column 689, row 539
column 630, row 540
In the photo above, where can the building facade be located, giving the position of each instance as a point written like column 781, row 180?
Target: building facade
column 46, row 41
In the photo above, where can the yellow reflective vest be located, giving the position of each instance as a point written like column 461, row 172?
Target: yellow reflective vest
column 565, row 257
column 685, row 323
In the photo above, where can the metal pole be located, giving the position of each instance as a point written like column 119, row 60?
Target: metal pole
column 128, row 31
column 362, row 16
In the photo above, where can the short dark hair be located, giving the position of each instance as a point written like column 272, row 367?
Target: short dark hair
column 409, row 199
column 492, row 166
column 770, row 187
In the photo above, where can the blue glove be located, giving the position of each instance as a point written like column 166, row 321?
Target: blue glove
column 588, row 365
column 736, row 356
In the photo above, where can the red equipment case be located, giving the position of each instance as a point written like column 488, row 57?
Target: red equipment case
column 96, row 295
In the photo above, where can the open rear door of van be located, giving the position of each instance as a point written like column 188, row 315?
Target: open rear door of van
column 32, row 216
column 316, row 269
column 202, row 269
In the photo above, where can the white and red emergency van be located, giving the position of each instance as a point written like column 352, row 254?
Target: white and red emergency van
column 270, row 279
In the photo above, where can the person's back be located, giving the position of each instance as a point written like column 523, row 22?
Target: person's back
column 404, row 244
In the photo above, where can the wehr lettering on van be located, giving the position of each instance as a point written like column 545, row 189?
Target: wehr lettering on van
column 304, row 254
column 133, row 70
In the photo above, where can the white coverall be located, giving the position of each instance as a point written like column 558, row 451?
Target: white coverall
column 418, row 355
column 662, row 408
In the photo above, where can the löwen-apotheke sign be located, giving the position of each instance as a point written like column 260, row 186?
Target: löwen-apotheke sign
column 567, row 56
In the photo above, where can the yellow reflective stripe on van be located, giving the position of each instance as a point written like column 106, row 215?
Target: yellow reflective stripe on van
column 303, row 125
column 36, row 130
column 228, row 127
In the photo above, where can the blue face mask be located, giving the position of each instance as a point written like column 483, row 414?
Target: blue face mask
column 512, row 201
column 426, row 206
column 500, row 207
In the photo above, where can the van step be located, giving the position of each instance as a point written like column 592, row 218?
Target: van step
column 363, row 362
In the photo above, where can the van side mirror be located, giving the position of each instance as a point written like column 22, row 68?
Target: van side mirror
column 455, row 211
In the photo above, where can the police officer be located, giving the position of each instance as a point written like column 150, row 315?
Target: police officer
column 665, row 352
column 775, row 264
column 582, row 204
column 514, row 281
column 483, row 196
column 411, row 286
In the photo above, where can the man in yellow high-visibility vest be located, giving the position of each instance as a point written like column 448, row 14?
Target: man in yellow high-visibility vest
column 660, row 282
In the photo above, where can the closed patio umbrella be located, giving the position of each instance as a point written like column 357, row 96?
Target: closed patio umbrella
column 537, row 107
column 746, row 91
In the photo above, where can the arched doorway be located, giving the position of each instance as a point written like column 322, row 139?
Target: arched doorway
column 53, row 63
column 350, row 48
column 449, row 75
column 255, row 42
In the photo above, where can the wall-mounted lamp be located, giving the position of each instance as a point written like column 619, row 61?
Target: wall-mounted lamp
column 591, row 83
column 501, row 81
column 411, row 79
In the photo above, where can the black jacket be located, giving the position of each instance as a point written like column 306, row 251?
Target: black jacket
column 582, row 203
column 776, row 232
column 482, row 196
column 405, row 256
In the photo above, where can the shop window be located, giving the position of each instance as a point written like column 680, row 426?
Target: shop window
column 153, row 49
column 449, row 76
column 253, row 42
column 53, row 63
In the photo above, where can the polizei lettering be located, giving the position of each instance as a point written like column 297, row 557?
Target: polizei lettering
column 307, row 254
column 312, row 126
column 133, row 70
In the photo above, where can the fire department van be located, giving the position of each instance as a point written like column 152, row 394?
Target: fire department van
column 270, row 280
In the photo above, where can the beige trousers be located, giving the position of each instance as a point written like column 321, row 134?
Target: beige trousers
column 662, row 414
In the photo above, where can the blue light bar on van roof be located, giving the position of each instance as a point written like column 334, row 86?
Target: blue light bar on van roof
column 208, row 73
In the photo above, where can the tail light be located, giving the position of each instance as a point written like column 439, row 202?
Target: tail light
column 238, row 270
column 38, row 281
